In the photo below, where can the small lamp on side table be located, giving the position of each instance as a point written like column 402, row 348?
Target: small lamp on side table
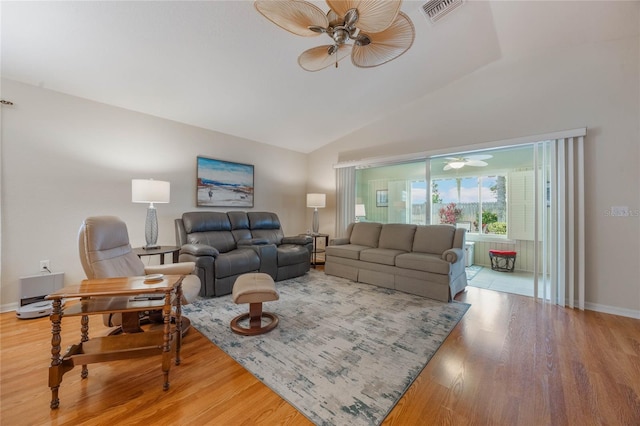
column 316, row 201
column 150, row 191
column 360, row 212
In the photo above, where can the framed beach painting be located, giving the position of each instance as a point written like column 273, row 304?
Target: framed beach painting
column 224, row 183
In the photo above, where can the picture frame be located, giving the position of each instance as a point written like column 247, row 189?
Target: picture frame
column 221, row 183
column 382, row 198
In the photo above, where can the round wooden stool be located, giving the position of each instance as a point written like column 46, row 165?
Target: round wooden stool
column 254, row 289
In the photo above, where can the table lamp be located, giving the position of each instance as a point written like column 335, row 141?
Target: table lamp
column 150, row 191
column 360, row 212
column 316, row 201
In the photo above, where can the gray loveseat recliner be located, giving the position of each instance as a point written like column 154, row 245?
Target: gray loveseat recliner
column 227, row 245
column 427, row 260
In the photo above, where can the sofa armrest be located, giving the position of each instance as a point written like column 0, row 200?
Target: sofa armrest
column 339, row 241
column 299, row 239
column 253, row 242
column 453, row 255
column 182, row 268
column 199, row 250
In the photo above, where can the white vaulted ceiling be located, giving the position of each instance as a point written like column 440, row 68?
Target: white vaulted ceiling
column 220, row 65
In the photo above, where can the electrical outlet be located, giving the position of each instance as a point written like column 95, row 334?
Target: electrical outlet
column 44, row 266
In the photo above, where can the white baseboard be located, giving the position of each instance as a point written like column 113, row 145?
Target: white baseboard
column 605, row 309
column 9, row 307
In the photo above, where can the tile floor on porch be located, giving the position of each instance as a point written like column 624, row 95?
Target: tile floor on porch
column 517, row 282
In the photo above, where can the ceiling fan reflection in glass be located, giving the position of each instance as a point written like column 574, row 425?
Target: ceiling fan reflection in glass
column 471, row 160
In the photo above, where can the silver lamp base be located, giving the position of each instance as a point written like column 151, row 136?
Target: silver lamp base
column 316, row 221
column 151, row 229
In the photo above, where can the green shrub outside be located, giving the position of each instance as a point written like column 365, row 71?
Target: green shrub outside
column 497, row 228
column 489, row 217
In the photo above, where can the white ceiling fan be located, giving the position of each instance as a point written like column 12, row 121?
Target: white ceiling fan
column 469, row 160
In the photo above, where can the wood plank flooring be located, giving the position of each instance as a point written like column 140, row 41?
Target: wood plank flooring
column 510, row 361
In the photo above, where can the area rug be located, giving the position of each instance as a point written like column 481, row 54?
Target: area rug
column 472, row 271
column 343, row 353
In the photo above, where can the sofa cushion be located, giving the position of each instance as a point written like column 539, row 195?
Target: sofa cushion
column 423, row 262
column 266, row 225
column 397, row 236
column 433, row 239
column 239, row 225
column 205, row 221
column 263, row 220
column 292, row 254
column 209, row 228
column 349, row 251
column 223, row 241
column 273, row 236
column 236, row 262
column 366, row 234
column 380, row 255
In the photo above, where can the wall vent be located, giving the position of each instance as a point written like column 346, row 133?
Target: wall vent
column 438, row 9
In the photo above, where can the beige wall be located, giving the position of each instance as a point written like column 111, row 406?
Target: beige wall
column 66, row 158
column 595, row 85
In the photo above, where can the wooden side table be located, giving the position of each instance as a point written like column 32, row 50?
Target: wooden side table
column 109, row 295
column 161, row 251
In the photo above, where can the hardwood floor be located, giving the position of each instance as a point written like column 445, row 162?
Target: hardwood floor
column 510, row 361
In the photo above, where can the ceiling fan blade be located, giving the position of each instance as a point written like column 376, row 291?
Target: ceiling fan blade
column 476, row 163
column 447, row 167
column 479, row 157
column 387, row 45
column 333, row 18
column 318, row 58
column 374, row 15
column 295, row 16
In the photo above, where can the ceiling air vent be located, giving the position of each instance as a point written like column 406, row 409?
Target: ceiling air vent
column 438, row 9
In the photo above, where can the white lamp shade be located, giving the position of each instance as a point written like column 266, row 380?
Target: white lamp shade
column 150, row 191
column 316, row 200
column 360, row 211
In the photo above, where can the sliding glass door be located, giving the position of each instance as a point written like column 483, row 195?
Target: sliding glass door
column 526, row 197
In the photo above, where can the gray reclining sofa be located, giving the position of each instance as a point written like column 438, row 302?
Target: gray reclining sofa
column 427, row 260
column 227, row 245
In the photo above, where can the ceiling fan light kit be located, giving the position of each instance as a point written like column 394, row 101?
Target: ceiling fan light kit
column 372, row 32
column 456, row 164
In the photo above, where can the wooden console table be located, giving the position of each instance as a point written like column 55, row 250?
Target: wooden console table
column 111, row 295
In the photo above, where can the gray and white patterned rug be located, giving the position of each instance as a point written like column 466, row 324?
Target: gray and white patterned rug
column 343, row 353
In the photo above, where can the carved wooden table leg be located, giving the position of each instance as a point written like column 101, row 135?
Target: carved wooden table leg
column 178, row 322
column 166, row 344
column 55, row 374
column 84, row 336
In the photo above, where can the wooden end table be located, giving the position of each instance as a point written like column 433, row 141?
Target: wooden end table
column 316, row 249
column 110, row 295
column 161, row 251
